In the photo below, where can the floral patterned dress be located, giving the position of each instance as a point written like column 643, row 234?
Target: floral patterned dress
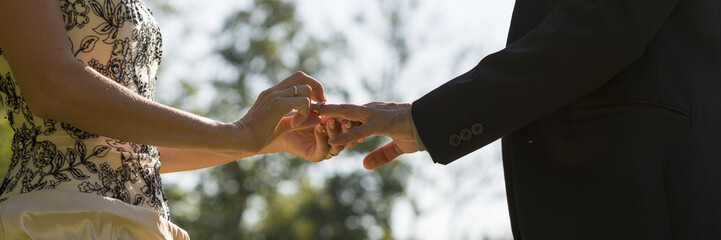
column 119, row 39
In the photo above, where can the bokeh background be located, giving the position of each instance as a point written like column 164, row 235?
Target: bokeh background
column 219, row 55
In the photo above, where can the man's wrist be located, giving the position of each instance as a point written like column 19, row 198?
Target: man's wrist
column 419, row 142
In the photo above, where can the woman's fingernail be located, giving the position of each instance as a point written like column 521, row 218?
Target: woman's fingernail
column 319, row 129
column 332, row 124
column 347, row 125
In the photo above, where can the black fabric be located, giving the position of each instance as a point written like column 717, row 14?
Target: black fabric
column 610, row 113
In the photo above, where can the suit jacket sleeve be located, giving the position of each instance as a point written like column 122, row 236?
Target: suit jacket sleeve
column 578, row 47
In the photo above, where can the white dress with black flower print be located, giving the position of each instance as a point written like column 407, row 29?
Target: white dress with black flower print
column 119, row 39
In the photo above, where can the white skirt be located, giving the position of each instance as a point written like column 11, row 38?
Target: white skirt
column 67, row 214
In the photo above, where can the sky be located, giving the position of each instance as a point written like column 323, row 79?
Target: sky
column 462, row 200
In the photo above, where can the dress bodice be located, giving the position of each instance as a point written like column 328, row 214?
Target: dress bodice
column 119, row 39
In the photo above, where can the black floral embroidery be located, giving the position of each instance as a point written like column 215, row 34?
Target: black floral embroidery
column 130, row 53
column 111, row 184
column 119, row 59
column 151, row 189
column 49, row 126
column 75, row 13
column 87, row 45
column 77, row 133
column 14, row 103
column 119, row 66
column 114, row 16
column 44, row 166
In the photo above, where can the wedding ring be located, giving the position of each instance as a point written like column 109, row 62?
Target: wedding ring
column 332, row 155
column 316, row 109
column 295, row 91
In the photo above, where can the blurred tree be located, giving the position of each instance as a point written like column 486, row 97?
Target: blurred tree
column 395, row 37
column 278, row 196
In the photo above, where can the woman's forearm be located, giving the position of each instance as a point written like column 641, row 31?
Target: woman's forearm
column 57, row 86
column 177, row 160
column 82, row 97
column 180, row 159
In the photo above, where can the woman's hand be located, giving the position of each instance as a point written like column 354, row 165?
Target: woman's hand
column 269, row 117
column 311, row 143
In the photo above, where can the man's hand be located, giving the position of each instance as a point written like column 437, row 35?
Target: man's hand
column 311, row 142
column 379, row 118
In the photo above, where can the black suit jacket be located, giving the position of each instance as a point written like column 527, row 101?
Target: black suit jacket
column 610, row 113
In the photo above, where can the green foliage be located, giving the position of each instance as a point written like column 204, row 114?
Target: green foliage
column 275, row 198
column 262, row 43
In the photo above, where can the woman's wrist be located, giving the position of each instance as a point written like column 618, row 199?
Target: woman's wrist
column 274, row 147
column 231, row 139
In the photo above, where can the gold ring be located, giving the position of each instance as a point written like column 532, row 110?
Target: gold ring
column 295, row 91
column 332, row 155
column 316, row 110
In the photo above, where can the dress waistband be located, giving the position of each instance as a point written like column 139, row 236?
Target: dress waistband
column 48, row 214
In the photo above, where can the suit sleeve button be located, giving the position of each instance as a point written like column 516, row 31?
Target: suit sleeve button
column 466, row 134
column 454, row 140
column 477, row 129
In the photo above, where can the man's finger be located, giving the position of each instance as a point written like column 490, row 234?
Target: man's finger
column 381, row 156
column 321, row 142
column 362, row 131
column 346, row 111
column 333, row 129
column 347, row 126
